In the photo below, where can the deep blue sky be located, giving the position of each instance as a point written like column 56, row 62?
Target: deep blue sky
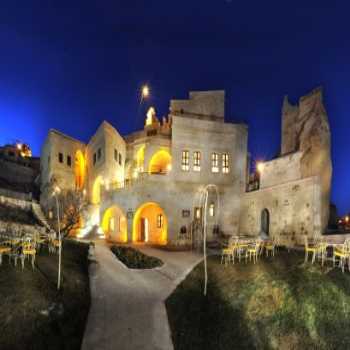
column 70, row 66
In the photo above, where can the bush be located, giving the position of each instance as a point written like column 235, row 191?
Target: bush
column 134, row 259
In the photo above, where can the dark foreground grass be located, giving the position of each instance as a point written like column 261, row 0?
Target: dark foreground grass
column 33, row 315
column 278, row 303
column 134, row 259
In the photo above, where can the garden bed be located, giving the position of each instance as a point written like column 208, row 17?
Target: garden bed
column 278, row 303
column 134, row 259
column 33, row 314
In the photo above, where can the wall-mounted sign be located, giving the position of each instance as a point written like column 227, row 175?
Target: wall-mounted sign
column 186, row 213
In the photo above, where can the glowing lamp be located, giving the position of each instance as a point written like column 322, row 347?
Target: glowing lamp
column 168, row 167
column 56, row 190
column 145, row 91
column 346, row 219
column 260, row 166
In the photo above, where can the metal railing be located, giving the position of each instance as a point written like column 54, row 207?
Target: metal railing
column 140, row 178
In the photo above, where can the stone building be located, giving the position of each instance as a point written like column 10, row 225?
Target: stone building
column 294, row 189
column 157, row 182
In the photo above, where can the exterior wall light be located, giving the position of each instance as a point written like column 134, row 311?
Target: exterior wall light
column 260, row 167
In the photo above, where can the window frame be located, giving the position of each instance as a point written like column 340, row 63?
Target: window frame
column 212, row 210
column 225, row 163
column 197, row 157
column 160, row 220
column 185, row 160
column 215, row 168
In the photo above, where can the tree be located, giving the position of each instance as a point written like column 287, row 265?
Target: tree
column 72, row 204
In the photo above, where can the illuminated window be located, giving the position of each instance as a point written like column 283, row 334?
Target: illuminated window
column 197, row 161
column 198, row 213
column 160, row 220
column 211, row 209
column 111, row 224
column 214, row 163
column 115, row 155
column 225, row 165
column 69, row 160
column 60, row 157
column 185, row 161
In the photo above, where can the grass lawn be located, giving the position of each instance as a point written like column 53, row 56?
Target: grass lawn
column 278, row 303
column 134, row 259
column 33, row 315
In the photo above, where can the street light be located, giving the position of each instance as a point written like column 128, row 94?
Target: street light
column 145, row 91
column 56, row 192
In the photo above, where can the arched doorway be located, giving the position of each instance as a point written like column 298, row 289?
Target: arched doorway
column 160, row 162
column 79, row 170
column 265, row 222
column 96, row 190
column 114, row 224
column 150, row 224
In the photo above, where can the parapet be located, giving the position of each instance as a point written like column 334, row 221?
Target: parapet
column 209, row 105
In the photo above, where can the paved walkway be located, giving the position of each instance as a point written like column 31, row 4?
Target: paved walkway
column 127, row 306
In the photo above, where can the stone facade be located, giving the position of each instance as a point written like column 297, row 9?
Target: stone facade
column 151, row 185
column 295, row 187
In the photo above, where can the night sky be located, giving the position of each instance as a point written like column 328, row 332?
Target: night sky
column 70, row 66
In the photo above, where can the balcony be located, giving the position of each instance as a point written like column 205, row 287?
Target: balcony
column 140, row 178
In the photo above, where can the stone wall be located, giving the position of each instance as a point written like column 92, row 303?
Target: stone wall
column 294, row 210
column 52, row 170
column 17, row 173
column 281, row 170
column 305, row 128
column 201, row 104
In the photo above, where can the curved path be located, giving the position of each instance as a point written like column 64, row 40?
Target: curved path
column 127, row 306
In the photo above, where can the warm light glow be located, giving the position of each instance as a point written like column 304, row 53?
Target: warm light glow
column 168, row 167
column 96, row 190
column 140, row 158
column 57, row 190
column 114, row 224
column 211, row 210
column 150, row 116
column 135, row 174
column 19, row 146
column 145, row 91
column 260, row 167
column 146, row 224
column 346, row 219
column 160, row 162
column 79, row 170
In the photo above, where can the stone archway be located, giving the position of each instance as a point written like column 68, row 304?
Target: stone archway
column 160, row 162
column 265, row 222
column 96, row 190
column 150, row 224
column 114, row 224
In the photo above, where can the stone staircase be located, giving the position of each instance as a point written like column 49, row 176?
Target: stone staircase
column 38, row 213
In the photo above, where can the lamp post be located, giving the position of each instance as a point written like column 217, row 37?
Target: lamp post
column 56, row 191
